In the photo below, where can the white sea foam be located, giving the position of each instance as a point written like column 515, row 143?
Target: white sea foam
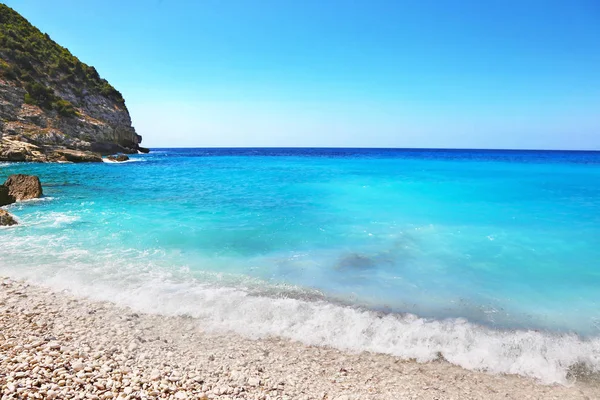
column 145, row 282
column 52, row 219
column 106, row 160
column 4, row 164
column 148, row 288
column 10, row 226
column 38, row 200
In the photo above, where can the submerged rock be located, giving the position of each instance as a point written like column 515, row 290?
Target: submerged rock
column 22, row 187
column 6, row 219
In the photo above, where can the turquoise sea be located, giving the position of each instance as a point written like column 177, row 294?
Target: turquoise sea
column 489, row 258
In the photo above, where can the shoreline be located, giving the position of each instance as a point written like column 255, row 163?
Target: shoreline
column 58, row 346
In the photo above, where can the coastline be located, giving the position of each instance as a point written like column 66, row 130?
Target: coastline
column 57, row 346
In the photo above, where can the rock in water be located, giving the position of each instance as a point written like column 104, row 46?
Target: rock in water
column 118, row 158
column 23, row 187
column 76, row 156
column 53, row 106
column 6, row 219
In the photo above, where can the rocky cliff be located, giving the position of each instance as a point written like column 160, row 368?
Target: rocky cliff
column 53, row 107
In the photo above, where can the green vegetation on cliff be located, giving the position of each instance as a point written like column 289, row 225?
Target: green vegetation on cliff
column 32, row 60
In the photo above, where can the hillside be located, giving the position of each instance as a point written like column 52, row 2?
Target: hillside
column 53, row 107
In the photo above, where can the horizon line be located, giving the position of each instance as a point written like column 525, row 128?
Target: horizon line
column 375, row 148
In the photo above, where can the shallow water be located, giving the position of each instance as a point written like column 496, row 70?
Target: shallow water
column 488, row 257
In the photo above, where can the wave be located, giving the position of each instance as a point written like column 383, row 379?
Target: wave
column 38, row 200
column 147, row 288
column 49, row 219
column 148, row 282
column 107, row 161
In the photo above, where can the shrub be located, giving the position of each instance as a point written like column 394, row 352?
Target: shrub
column 44, row 97
column 64, row 108
column 40, row 95
column 29, row 99
column 34, row 56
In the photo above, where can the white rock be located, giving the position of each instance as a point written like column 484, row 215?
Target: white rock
column 253, row 381
column 53, row 345
column 155, row 375
column 77, row 366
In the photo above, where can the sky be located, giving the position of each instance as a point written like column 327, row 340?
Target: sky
column 519, row 74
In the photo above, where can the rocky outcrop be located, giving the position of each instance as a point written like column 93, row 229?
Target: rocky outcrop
column 68, row 155
column 17, row 188
column 29, row 133
column 23, row 187
column 118, row 158
column 6, row 219
column 53, row 107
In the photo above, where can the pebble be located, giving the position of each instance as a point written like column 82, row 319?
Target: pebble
column 52, row 347
column 253, row 381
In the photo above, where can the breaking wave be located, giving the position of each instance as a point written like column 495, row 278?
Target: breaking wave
column 133, row 279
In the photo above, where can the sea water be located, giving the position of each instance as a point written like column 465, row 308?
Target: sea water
column 490, row 259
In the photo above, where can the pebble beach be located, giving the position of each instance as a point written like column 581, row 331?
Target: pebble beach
column 56, row 346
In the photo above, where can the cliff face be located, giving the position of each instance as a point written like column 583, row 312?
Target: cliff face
column 53, row 107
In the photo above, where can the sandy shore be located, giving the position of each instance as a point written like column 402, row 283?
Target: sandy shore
column 53, row 345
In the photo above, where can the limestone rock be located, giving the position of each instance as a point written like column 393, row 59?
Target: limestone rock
column 96, row 120
column 6, row 219
column 23, row 187
column 76, row 156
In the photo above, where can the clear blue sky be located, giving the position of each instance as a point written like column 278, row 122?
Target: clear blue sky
column 365, row 73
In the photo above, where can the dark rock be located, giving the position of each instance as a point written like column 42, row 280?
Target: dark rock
column 143, row 149
column 111, row 148
column 6, row 219
column 130, row 150
column 5, row 198
column 23, row 187
column 129, row 144
column 118, row 158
